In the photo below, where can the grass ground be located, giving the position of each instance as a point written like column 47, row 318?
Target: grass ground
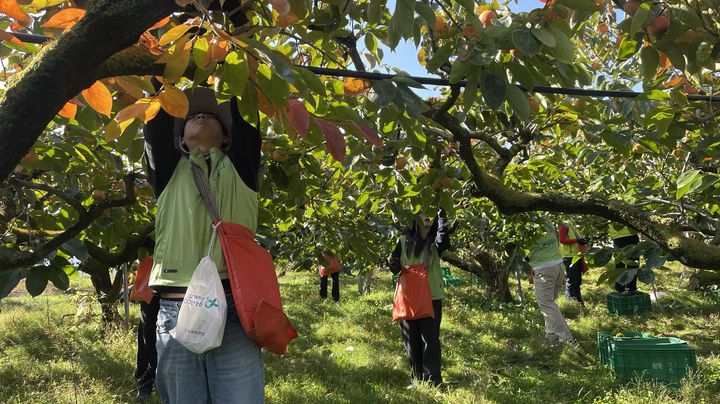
column 352, row 353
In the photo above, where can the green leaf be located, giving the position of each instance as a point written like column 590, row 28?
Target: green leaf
column 384, row 92
column 688, row 16
column 58, row 277
column 76, row 248
column 628, row 47
column 236, row 72
column 639, row 20
column 684, row 182
column 427, row 14
column 525, row 41
column 8, row 280
column 649, row 62
column 401, row 24
column 471, row 88
column 439, row 57
column 493, row 90
column 544, row 36
column 518, row 102
column 312, row 81
column 36, row 281
column 458, row 71
column 564, row 49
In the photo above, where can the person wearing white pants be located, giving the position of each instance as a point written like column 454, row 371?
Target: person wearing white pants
column 549, row 280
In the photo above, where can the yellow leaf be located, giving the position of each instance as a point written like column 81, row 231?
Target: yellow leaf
column 129, row 87
column 173, row 34
column 99, row 98
column 112, row 131
column 12, row 9
column 354, row 86
column 174, row 102
column 68, row 110
column 65, row 18
column 144, row 109
column 422, row 57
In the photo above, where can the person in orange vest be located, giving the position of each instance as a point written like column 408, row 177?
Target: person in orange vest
column 572, row 243
column 329, row 267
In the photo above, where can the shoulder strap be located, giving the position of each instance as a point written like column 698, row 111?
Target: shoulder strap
column 203, row 185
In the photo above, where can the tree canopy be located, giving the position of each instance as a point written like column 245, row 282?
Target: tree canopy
column 348, row 161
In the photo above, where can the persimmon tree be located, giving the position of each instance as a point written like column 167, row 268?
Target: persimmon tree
column 71, row 109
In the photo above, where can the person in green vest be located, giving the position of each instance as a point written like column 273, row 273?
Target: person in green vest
column 215, row 138
column 424, row 243
column 622, row 236
column 548, row 277
column 572, row 243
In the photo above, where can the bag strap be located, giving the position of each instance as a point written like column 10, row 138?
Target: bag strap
column 203, row 185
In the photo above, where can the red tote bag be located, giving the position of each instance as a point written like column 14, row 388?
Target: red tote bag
column 255, row 288
column 141, row 289
column 333, row 266
column 412, row 298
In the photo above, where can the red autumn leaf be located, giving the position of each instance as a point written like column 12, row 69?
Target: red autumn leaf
column 174, row 101
column 99, row 98
column 370, row 134
column 334, row 140
column 12, row 9
column 65, row 18
column 160, row 23
column 298, row 116
column 68, row 111
column 6, row 36
column 217, row 50
column 281, row 6
column 264, row 104
column 287, row 20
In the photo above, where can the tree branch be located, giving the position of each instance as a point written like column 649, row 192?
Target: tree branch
column 84, row 221
column 67, row 198
column 60, row 70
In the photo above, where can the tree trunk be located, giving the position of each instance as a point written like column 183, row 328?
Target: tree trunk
column 490, row 269
column 703, row 279
column 65, row 67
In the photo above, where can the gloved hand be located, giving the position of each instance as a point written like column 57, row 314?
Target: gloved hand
column 582, row 241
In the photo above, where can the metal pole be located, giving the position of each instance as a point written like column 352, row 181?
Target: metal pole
column 126, row 296
column 39, row 39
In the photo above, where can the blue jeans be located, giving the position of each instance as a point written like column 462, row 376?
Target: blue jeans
column 231, row 373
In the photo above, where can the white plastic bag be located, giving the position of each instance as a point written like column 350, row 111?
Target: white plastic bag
column 201, row 320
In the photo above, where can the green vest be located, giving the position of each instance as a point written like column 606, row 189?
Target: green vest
column 545, row 249
column 617, row 230
column 434, row 270
column 183, row 225
column 570, row 250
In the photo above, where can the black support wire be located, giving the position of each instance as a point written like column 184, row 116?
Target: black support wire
column 437, row 81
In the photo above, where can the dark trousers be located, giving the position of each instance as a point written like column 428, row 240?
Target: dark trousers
column 620, row 243
column 146, row 362
column 422, row 345
column 573, row 274
column 335, row 287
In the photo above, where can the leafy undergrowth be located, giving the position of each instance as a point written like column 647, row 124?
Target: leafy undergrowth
column 352, row 353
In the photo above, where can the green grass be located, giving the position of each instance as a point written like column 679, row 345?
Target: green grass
column 352, row 353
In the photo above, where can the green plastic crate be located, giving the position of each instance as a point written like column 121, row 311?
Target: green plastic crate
column 663, row 361
column 628, row 304
column 605, row 348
